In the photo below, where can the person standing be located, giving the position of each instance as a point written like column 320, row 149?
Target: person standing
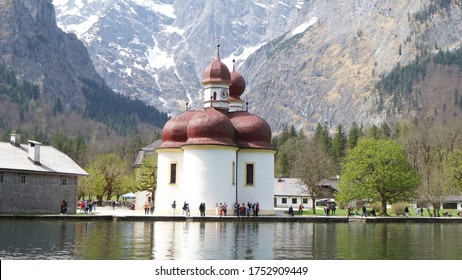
column 63, row 207
column 202, row 209
column 291, row 210
column 364, row 211
column 146, row 208
column 220, row 209
column 406, row 211
column 113, row 205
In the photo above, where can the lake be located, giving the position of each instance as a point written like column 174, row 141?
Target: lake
column 223, row 240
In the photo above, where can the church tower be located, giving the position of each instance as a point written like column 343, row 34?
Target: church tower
column 218, row 154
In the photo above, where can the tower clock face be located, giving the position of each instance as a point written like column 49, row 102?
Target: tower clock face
column 224, row 94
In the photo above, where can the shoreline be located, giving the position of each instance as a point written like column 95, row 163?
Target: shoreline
column 124, row 214
column 267, row 219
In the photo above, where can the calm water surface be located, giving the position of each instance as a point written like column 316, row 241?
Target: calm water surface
column 120, row 240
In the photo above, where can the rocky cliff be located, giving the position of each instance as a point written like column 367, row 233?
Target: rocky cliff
column 34, row 47
column 305, row 62
column 329, row 72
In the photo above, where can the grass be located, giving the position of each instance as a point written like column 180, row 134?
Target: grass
column 344, row 212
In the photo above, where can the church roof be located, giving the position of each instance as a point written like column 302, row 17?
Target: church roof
column 210, row 126
column 251, row 131
column 237, row 86
column 216, row 72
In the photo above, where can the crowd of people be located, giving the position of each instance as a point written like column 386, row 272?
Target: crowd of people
column 221, row 209
column 86, row 206
column 243, row 210
column 329, row 209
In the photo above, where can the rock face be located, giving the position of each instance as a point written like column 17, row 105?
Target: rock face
column 156, row 50
column 34, row 47
column 329, row 72
column 305, row 62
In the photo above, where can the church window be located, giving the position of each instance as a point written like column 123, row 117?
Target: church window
column 284, row 200
column 294, row 201
column 249, row 174
column 64, row 181
column 305, row 200
column 1, row 177
column 173, row 173
column 22, row 179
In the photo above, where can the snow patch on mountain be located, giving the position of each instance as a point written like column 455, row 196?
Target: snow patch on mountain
column 83, row 27
column 172, row 29
column 304, row 26
column 240, row 56
column 158, row 58
column 161, row 8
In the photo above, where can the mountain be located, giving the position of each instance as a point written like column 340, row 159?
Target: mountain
column 40, row 54
column 305, row 62
column 37, row 50
column 156, row 50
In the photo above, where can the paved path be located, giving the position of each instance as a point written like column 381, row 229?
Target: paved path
column 124, row 211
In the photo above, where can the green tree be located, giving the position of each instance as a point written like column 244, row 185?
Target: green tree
column 285, row 159
column 146, row 175
column 283, row 165
column 87, row 186
column 292, row 132
column 107, row 172
column 385, row 131
column 377, row 170
column 453, row 168
column 312, row 165
column 322, row 137
column 339, row 144
column 353, row 135
column 427, row 147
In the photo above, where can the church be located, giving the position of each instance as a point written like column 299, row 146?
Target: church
column 220, row 153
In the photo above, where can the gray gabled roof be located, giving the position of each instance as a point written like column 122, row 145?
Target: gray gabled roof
column 146, row 151
column 288, row 187
column 293, row 186
column 16, row 158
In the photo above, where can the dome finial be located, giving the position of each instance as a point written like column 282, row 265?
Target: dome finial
column 218, row 47
column 234, row 64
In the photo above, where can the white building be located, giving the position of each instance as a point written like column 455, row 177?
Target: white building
column 218, row 154
column 292, row 192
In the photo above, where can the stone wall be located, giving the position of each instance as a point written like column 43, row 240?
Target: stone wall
column 36, row 192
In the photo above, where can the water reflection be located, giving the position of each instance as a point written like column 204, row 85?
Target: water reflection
column 243, row 240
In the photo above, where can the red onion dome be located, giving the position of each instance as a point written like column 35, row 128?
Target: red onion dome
column 210, row 126
column 237, row 86
column 251, row 131
column 216, row 73
column 174, row 133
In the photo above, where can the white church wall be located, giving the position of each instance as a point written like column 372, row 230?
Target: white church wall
column 263, row 189
column 166, row 192
column 208, row 177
